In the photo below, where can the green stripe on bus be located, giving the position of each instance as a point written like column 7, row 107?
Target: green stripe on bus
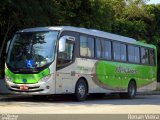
column 30, row 78
column 117, row 75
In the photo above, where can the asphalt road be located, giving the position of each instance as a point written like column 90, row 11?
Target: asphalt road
column 144, row 104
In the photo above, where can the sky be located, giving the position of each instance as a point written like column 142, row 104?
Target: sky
column 154, row 2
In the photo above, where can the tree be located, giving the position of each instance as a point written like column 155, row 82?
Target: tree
column 102, row 15
column 18, row 14
column 132, row 18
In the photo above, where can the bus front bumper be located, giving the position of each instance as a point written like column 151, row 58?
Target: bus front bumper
column 40, row 88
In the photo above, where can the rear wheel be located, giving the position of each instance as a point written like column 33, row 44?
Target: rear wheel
column 81, row 90
column 132, row 90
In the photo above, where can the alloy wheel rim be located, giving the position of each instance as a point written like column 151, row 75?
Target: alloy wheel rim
column 81, row 90
column 132, row 90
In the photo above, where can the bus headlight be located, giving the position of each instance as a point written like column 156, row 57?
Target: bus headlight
column 45, row 79
column 8, row 79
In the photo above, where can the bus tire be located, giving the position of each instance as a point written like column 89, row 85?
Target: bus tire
column 81, row 90
column 131, row 92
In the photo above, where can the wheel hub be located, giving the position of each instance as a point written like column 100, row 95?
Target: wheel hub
column 132, row 90
column 81, row 90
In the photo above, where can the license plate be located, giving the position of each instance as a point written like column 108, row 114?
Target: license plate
column 23, row 87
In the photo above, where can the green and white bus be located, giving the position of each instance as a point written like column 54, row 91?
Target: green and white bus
column 79, row 61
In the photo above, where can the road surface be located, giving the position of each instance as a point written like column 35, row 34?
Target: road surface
column 66, row 105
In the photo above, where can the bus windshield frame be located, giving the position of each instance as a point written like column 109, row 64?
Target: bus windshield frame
column 32, row 51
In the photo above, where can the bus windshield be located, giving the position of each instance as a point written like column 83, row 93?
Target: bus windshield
column 32, row 49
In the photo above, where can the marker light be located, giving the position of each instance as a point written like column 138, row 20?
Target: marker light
column 45, row 79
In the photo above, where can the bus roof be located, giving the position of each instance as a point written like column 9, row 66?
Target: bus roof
column 93, row 32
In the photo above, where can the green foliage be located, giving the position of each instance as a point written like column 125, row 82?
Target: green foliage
column 134, row 29
column 132, row 18
column 102, row 15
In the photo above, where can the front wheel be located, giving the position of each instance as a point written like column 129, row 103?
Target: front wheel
column 81, row 90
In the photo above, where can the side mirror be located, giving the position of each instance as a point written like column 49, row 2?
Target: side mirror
column 62, row 42
column 7, row 47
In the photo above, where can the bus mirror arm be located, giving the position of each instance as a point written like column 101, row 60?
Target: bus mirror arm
column 7, row 47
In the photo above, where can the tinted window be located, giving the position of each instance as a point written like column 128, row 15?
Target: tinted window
column 119, row 51
column 144, row 56
column 98, row 48
column 136, row 55
column 65, row 57
column 86, row 46
column 103, row 49
column 107, row 50
column 116, row 51
column 133, row 54
column 83, row 46
column 90, row 47
column 151, row 57
column 123, row 52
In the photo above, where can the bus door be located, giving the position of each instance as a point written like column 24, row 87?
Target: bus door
column 64, row 73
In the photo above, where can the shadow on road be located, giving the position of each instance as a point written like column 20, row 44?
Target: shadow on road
column 69, row 99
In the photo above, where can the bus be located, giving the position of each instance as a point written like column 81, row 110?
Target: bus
column 78, row 61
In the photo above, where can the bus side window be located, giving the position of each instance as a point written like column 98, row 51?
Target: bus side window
column 131, row 53
column 83, row 46
column 151, row 57
column 116, row 51
column 123, row 52
column 90, row 47
column 86, row 46
column 99, row 48
column 119, row 51
column 107, row 51
column 144, row 56
column 136, row 55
